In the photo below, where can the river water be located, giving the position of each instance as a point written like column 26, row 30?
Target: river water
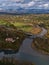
column 26, row 53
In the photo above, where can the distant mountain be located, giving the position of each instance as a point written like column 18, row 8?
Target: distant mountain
column 38, row 11
column 25, row 11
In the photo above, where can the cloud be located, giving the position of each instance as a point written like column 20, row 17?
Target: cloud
column 46, row 5
column 3, row 4
column 31, row 3
column 1, row 9
column 26, row 4
column 17, row 0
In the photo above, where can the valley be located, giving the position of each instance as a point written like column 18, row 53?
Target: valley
column 26, row 35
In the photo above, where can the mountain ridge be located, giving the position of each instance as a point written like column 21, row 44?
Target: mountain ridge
column 25, row 11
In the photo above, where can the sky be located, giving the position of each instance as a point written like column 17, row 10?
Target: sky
column 26, row 4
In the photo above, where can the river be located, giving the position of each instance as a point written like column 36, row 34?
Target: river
column 26, row 53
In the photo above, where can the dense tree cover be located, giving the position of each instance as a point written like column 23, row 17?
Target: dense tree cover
column 10, row 37
column 41, row 44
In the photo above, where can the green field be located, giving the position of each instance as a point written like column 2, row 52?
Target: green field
column 26, row 22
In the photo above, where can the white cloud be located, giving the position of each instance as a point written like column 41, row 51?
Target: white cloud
column 26, row 5
column 3, row 4
column 31, row 3
column 1, row 9
column 46, row 5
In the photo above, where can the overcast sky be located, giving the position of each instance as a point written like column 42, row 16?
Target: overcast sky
column 26, row 4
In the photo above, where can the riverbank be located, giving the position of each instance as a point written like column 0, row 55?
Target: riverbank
column 41, row 45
